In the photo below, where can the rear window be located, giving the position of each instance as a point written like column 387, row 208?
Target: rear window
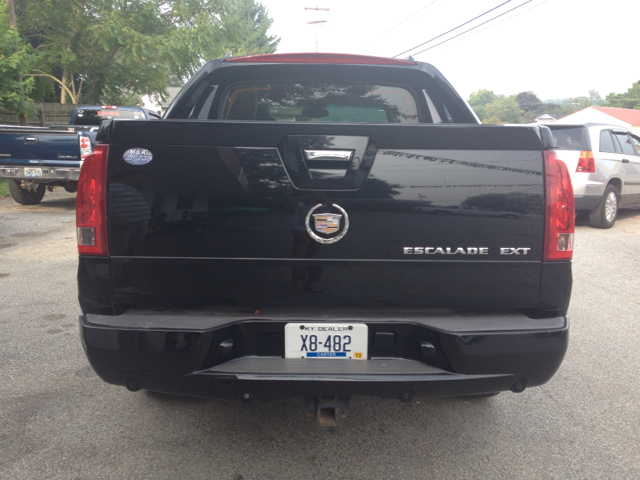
column 318, row 102
column 95, row 116
column 567, row 138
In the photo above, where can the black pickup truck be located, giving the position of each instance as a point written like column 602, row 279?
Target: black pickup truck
column 284, row 232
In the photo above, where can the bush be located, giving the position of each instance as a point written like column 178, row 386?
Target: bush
column 4, row 188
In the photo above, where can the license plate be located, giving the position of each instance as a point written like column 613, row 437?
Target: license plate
column 347, row 341
column 32, row 172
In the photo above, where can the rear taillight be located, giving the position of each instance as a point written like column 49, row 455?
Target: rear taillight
column 91, row 204
column 587, row 163
column 560, row 209
column 85, row 146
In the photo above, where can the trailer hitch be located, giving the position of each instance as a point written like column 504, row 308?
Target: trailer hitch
column 327, row 410
column 29, row 185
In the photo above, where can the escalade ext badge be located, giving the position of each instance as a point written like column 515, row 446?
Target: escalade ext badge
column 327, row 223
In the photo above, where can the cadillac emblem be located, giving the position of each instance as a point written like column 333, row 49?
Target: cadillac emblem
column 327, row 223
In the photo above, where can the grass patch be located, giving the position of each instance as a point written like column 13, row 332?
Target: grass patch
column 4, row 188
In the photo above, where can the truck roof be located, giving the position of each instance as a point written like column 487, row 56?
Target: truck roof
column 334, row 58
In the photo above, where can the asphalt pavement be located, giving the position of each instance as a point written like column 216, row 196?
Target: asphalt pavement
column 59, row 421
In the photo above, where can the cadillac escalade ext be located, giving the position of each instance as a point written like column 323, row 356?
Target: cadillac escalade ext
column 275, row 236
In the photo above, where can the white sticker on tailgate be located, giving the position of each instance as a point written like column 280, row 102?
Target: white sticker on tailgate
column 347, row 341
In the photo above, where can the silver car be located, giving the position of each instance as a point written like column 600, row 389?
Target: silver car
column 604, row 161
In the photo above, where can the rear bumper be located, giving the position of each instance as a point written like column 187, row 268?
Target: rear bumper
column 587, row 202
column 182, row 354
column 49, row 174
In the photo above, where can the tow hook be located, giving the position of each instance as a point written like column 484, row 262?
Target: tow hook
column 327, row 410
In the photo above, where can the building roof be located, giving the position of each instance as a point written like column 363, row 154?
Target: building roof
column 555, row 116
column 627, row 115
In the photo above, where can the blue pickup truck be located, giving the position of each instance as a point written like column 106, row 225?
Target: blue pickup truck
column 34, row 158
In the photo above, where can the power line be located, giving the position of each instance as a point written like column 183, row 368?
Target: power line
column 461, row 25
column 396, row 25
column 505, row 19
column 473, row 28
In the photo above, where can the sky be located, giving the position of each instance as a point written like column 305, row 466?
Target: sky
column 554, row 48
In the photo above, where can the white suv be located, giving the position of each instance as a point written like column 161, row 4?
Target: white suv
column 605, row 165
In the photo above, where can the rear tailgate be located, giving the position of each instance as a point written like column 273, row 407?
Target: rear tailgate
column 39, row 146
column 218, row 216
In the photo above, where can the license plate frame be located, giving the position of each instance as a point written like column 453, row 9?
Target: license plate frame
column 33, row 172
column 353, row 341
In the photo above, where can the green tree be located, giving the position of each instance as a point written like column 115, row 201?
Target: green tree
column 175, row 81
column 479, row 100
column 528, row 101
column 16, row 58
column 492, row 120
column 573, row 104
column 595, row 98
column 246, row 24
column 629, row 99
column 482, row 97
column 506, row 109
column 120, row 97
column 96, row 49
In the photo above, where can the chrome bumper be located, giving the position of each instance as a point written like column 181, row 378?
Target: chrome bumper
column 49, row 174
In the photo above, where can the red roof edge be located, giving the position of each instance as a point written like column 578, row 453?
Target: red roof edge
column 336, row 58
column 627, row 115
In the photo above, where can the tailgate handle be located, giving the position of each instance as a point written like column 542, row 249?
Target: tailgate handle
column 330, row 155
column 31, row 140
column 328, row 164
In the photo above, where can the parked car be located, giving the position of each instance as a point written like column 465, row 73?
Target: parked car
column 604, row 161
column 34, row 158
column 95, row 114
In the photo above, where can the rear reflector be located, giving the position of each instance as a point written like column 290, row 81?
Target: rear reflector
column 560, row 209
column 341, row 58
column 586, row 163
column 91, row 204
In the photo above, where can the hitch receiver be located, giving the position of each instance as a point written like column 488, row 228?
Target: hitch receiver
column 327, row 410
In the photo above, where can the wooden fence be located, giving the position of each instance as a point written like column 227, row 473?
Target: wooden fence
column 47, row 114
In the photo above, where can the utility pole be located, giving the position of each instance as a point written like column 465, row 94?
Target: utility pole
column 317, row 22
column 22, row 118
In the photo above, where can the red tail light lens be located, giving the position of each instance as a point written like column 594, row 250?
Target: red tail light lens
column 91, row 204
column 586, row 164
column 560, row 209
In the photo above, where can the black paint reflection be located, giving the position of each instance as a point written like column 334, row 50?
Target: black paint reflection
column 128, row 222
column 305, row 277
